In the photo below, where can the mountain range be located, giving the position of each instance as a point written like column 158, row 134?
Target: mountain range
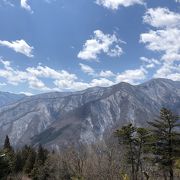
column 7, row 98
column 58, row 119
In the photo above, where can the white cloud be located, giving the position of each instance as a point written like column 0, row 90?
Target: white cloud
column 169, row 70
column 115, row 4
column 87, row 69
column 19, row 46
column 26, row 6
column 102, row 82
column 8, row 2
column 47, row 72
column 106, row 74
column 149, row 63
column 26, row 93
column 108, row 78
column 3, row 84
column 101, row 43
column 63, row 80
column 161, row 17
column 165, row 39
column 71, row 85
column 133, row 76
column 15, row 77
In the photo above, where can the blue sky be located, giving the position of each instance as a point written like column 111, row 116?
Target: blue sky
column 68, row 45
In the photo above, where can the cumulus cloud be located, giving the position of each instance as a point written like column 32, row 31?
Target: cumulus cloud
column 106, row 74
column 87, row 69
column 164, row 38
column 102, row 82
column 115, row 4
column 26, row 6
column 71, row 85
column 90, row 71
column 62, row 80
column 107, row 78
column 166, row 41
column 47, row 72
column 101, row 43
column 33, row 76
column 161, row 17
column 149, row 63
column 133, row 76
column 8, row 3
column 19, row 46
column 14, row 76
column 169, row 70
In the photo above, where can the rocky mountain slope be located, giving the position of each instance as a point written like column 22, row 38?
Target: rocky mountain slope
column 57, row 119
column 7, row 98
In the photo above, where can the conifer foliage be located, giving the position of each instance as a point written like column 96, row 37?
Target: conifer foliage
column 166, row 141
column 135, row 153
column 135, row 141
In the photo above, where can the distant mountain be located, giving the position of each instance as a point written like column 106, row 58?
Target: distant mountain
column 8, row 98
column 57, row 119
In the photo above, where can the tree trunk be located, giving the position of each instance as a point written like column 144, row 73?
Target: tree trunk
column 171, row 174
column 132, row 163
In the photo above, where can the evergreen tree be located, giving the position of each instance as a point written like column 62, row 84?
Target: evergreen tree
column 19, row 162
column 38, row 172
column 142, row 139
column 166, row 143
column 41, row 155
column 24, row 154
column 29, row 163
column 7, row 145
column 10, row 157
column 126, row 138
column 4, row 167
column 35, row 171
column 135, row 141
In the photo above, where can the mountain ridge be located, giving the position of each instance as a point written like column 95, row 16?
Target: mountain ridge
column 7, row 98
column 85, row 116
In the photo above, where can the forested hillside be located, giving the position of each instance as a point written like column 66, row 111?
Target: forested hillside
column 131, row 153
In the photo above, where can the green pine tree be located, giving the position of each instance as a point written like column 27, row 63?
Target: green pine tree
column 30, row 161
column 166, row 143
column 135, row 140
column 10, row 156
column 4, row 166
column 41, row 155
column 7, row 145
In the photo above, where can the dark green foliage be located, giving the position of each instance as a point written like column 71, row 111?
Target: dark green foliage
column 19, row 162
column 4, row 166
column 166, row 141
column 9, row 155
column 139, row 146
column 29, row 163
column 39, row 164
column 41, row 155
column 135, row 141
column 28, row 160
column 7, row 145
